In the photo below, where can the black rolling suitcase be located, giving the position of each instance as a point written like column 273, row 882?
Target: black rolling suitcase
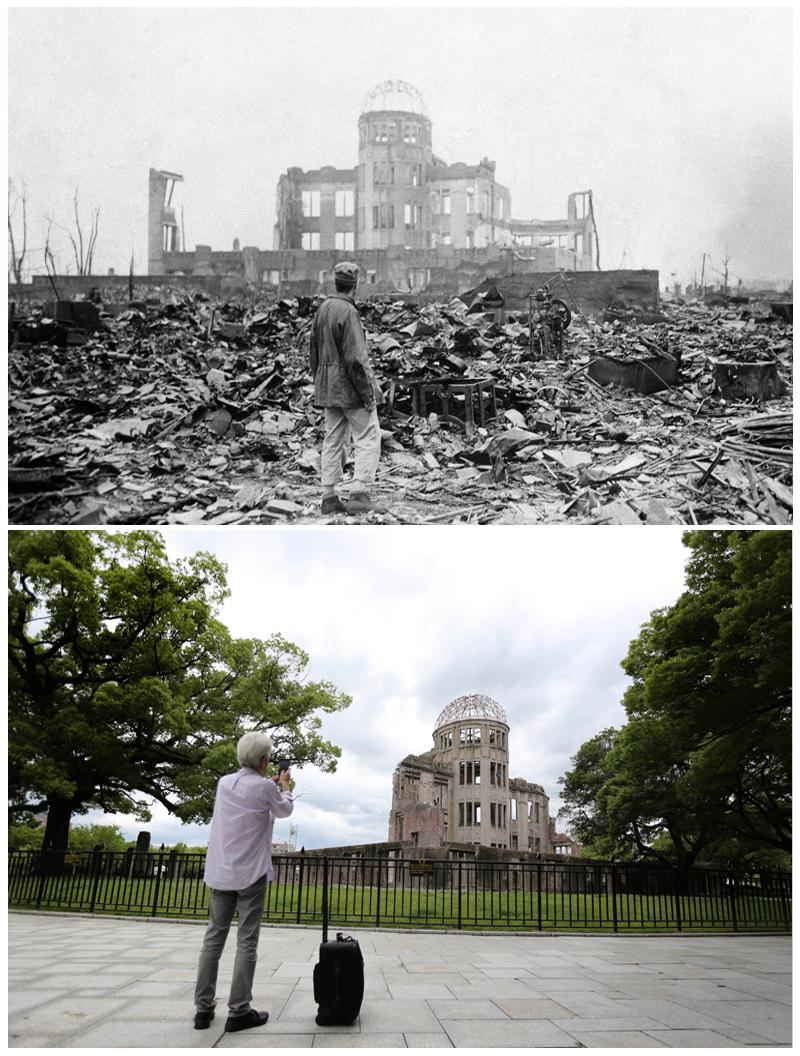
column 339, row 976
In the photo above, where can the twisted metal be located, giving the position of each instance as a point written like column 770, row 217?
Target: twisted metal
column 471, row 706
column 382, row 94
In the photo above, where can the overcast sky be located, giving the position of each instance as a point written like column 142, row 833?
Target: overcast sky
column 679, row 120
column 405, row 620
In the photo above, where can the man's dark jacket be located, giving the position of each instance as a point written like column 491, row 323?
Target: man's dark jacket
column 343, row 376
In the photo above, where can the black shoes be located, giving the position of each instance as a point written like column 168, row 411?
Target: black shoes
column 250, row 1019
column 202, row 1020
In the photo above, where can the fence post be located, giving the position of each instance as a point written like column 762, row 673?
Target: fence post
column 733, row 889
column 614, row 895
column 97, row 868
column 158, row 883
column 459, row 892
column 784, row 901
column 676, row 887
column 378, row 909
column 300, row 888
column 43, row 871
column 539, row 895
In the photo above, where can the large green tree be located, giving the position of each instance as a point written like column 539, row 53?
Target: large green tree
column 125, row 687
column 702, row 768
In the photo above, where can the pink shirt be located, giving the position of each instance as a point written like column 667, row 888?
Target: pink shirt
column 241, row 829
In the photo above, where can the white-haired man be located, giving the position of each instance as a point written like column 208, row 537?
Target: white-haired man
column 238, row 869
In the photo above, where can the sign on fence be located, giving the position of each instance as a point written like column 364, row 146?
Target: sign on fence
column 420, row 868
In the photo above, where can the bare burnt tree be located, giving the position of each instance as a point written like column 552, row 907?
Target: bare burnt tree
column 83, row 245
column 17, row 196
column 49, row 259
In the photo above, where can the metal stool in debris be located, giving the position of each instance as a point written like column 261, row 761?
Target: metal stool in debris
column 447, row 392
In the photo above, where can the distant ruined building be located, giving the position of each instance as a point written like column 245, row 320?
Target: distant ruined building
column 411, row 220
column 460, row 791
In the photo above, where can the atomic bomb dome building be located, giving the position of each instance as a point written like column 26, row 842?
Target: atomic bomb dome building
column 460, row 792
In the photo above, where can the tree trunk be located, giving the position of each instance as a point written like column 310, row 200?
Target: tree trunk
column 56, row 835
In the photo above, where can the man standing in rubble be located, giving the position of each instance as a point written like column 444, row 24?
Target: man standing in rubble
column 345, row 386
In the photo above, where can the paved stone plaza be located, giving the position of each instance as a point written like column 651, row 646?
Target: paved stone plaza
column 77, row 981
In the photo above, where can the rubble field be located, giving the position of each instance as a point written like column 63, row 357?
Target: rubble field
column 181, row 410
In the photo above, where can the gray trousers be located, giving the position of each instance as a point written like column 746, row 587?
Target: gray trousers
column 250, row 905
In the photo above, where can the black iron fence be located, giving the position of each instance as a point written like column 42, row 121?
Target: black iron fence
column 394, row 892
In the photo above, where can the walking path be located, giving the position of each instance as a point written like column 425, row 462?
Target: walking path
column 78, row 981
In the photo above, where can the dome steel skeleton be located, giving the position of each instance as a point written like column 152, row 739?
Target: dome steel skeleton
column 471, row 706
column 394, row 95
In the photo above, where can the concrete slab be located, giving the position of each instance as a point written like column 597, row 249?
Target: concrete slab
column 694, row 1039
column 508, row 1034
column 450, row 1010
column 398, row 1015
column 428, row 1041
column 243, row 1040
column 616, row 1039
column 361, row 1041
column 768, row 1019
column 91, row 982
column 517, row 1008
column 422, row 991
column 147, row 1034
column 596, row 1023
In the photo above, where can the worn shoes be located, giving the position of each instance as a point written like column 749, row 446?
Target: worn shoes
column 249, row 1019
column 202, row 1020
column 361, row 502
column 333, row 504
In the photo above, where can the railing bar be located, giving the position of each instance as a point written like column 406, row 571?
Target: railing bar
column 488, row 894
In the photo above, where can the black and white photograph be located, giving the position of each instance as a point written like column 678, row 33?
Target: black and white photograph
column 400, row 266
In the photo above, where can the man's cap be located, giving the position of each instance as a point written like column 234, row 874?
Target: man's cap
column 346, row 272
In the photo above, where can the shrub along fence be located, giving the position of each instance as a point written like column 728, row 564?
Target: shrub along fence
column 378, row 892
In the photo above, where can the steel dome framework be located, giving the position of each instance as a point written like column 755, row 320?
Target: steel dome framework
column 395, row 95
column 472, row 706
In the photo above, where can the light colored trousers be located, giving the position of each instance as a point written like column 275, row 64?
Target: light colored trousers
column 250, row 904
column 363, row 423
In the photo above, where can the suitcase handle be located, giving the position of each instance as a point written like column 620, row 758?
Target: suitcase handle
column 325, row 899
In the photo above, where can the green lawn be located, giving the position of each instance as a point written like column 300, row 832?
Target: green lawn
column 406, row 907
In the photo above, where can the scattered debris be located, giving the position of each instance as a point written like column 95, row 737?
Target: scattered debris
column 174, row 409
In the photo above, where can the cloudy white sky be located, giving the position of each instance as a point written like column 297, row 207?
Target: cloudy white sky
column 405, row 620
column 679, row 119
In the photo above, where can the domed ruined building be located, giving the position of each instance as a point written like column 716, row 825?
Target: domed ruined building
column 460, row 792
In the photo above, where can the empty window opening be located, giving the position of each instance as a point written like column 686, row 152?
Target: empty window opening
column 310, row 203
column 344, row 203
